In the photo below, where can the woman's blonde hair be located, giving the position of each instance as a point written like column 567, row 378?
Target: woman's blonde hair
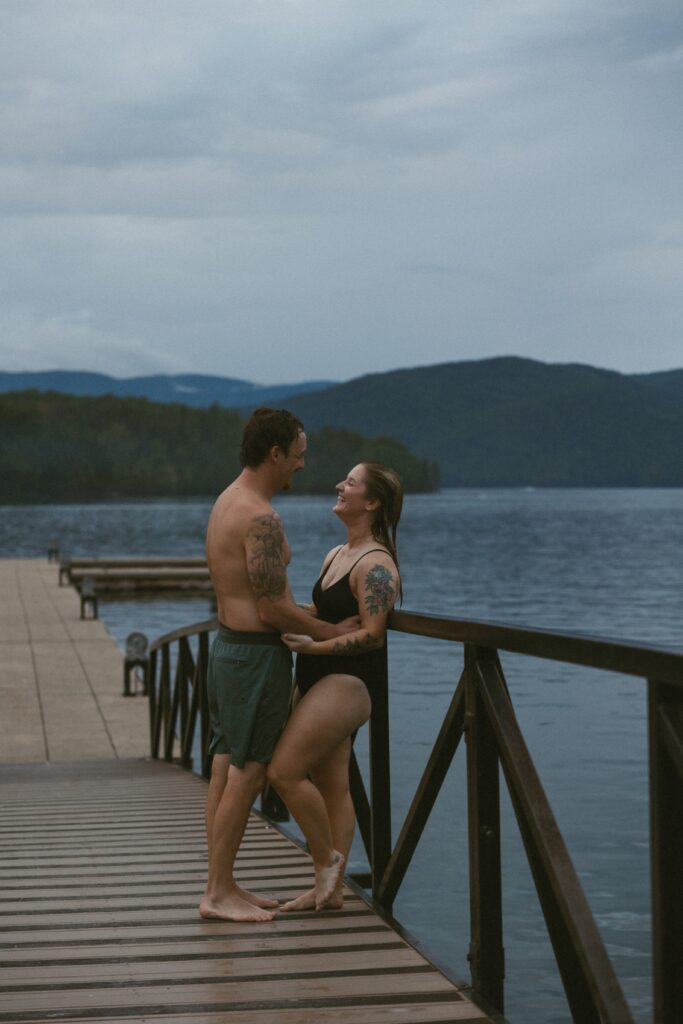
column 383, row 484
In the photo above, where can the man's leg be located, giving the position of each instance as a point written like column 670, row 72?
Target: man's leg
column 219, row 778
column 229, row 814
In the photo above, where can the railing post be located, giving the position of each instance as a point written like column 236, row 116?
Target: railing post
column 486, row 956
column 439, row 762
column 152, row 695
column 203, row 657
column 164, row 703
column 361, row 806
column 185, row 672
column 185, row 699
column 665, row 718
column 171, row 722
column 380, row 781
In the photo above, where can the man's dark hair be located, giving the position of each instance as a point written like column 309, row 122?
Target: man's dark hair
column 265, row 429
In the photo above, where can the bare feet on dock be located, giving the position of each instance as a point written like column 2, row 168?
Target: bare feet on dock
column 234, row 908
column 307, row 902
column 326, row 879
column 256, row 899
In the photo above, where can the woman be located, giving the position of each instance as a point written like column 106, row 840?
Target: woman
column 335, row 678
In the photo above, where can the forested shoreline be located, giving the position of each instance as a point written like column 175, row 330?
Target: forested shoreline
column 56, row 447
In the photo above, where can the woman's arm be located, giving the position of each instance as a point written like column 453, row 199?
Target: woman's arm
column 375, row 582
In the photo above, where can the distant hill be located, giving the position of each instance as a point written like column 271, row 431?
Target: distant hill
column 198, row 390
column 504, row 422
column 76, row 448
column 518, row 422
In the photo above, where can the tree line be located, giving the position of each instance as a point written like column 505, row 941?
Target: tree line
column 56, row 447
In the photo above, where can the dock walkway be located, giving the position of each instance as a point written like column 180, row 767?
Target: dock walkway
column 102, row 867
column 61, row 677
column 102, row 860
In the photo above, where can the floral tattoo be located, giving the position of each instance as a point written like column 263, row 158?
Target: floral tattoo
column 379, row 590
column 266, row 557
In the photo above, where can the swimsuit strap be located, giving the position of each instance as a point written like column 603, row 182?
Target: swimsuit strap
column 329, row 564
column 383, row 550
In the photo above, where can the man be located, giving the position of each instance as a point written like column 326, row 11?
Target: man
column 250, row 670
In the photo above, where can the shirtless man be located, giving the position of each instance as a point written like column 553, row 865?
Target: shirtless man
column 250, row 669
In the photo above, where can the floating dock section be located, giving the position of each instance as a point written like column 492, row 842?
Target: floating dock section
column 139, row 575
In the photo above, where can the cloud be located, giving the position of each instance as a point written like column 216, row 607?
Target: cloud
column 60, row 342
column 344, row 183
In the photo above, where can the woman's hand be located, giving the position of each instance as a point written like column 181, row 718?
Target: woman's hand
column 299, row 643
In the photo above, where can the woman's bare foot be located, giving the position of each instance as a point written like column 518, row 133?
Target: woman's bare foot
column 233, row 908
column 256, row 899
column 304, row 902
column 326, row 879
column 307, row 902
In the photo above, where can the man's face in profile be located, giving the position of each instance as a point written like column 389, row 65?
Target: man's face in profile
column 294, row 460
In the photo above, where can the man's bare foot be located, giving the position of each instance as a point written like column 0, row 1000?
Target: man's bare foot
column 233, row 908
column 326, row 880
column 307, row 901
column 256, row 899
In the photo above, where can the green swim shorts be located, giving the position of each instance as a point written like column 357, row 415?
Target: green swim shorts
column 249, row 681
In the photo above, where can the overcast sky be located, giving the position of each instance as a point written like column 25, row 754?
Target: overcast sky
column 283, row 190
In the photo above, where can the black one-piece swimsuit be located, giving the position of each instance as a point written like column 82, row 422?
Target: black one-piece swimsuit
column 333, row 604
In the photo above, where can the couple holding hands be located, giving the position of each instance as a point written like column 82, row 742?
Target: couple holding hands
column 338, row 639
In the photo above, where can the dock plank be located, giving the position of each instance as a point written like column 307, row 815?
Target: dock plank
column 61, row 678
column 103, row 860
column 90, row 931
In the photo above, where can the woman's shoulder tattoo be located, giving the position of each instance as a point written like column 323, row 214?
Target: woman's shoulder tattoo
column 379, row 589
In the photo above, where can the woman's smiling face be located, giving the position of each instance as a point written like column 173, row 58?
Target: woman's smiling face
column 352, row 494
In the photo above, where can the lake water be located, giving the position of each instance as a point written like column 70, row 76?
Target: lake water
column 605, row 562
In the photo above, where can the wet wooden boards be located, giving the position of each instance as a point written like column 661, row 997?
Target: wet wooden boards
column 101, row 869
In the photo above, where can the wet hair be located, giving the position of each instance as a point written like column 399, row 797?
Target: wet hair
column 265, row 429
column 383, row 484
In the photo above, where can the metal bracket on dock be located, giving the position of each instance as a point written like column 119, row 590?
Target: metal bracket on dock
column 137, row 656
column 88, row 597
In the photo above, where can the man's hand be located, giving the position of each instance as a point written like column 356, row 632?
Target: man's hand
column 350, row 625
column 297, row 642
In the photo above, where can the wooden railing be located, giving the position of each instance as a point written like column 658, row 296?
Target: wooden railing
column 481, row 710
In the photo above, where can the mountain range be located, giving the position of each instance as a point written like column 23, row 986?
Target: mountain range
column 198, row 390
column 508, row 421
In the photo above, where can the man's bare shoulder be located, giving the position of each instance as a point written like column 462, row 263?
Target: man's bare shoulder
column 238, row 507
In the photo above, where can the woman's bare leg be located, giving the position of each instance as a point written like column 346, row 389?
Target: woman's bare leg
column 331, row 778
column 326, row 716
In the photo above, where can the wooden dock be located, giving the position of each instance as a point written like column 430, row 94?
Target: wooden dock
column 142, row 575
column 102, row 861
column 61, row 678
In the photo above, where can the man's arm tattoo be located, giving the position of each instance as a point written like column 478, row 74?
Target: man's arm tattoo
column 357, row 646
column 265, row 557
column 379, row 590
